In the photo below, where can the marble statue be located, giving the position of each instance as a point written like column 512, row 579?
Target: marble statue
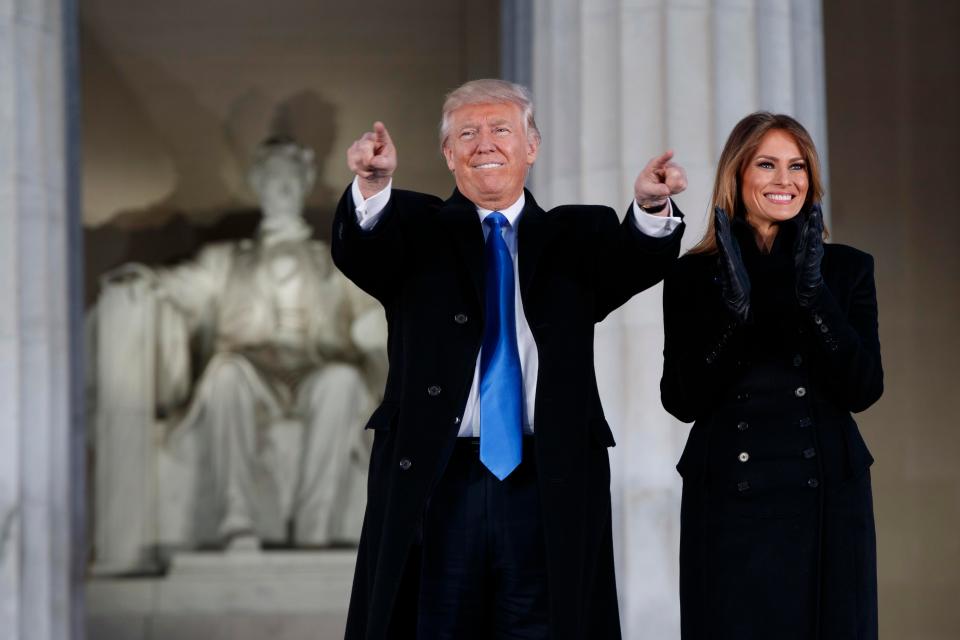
column 282, row 338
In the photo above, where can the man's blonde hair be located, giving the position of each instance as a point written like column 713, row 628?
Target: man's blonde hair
column 488, row 91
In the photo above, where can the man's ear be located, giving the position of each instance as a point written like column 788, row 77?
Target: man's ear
column 533, row 147
column 448, row 155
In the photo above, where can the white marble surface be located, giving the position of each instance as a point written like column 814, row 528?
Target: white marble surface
column 36, row 596
column 616, row 82
column 240, row 596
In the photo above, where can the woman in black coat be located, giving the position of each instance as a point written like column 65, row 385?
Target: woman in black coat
column 770, row 342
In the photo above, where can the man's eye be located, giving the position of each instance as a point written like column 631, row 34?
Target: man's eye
column 502, row 130
column 466, row 134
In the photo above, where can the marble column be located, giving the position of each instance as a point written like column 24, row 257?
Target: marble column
column 616, row 82
column 40, row 440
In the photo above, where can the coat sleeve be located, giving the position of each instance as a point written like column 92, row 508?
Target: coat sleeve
column 847, row 344
column 702, row 343
column 629, row 261
column 373, row 259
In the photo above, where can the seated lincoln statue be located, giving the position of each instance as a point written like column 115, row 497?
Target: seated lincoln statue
column 266, row 442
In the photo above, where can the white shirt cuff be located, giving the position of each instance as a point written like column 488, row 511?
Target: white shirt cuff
column 369, row 210
column 652, row 225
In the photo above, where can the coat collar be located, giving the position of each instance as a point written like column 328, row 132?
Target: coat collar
column 533, row 236
column 463, row 223
column 459, row 215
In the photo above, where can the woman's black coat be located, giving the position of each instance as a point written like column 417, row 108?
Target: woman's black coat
column 777, row 532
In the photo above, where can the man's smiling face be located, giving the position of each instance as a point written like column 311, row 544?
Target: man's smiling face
column 489, row 152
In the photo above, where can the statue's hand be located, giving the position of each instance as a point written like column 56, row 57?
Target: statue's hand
column 129, row 272
column 373, row 158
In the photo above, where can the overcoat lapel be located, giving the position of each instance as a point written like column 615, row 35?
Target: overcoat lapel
column 463, row 224
column 533, row 236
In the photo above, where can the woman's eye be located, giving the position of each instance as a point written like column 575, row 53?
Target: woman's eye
column 764, row 164
column 798, row 166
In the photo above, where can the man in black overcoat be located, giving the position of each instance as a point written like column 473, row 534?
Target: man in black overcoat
column 454, row 546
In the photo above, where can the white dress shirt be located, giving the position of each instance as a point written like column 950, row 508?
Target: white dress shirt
column 368, row 213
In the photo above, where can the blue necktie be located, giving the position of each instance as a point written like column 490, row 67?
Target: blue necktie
column 501, row 382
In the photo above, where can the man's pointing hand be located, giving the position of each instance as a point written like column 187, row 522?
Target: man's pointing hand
column 658, row 180
column 373, row 158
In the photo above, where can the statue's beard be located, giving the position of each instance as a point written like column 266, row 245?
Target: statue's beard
column 283, row 228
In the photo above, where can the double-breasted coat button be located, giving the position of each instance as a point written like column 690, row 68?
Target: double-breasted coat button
column 460, row 318
column 433, row 390
column 809, row 453
column 743, row 396
column 817, row 319
column 804, row 422
column 743, row 485
column 800, row 392
column 743, row 457
column 813, row 483
column 405, row 464
column 742, row 426
column 797, row 360
column 823, row 328
column 456, row 420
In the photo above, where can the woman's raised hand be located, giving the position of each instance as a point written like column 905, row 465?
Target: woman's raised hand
column 808, row 254
column 734, row 281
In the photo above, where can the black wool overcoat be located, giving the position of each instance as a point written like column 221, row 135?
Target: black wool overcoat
column 777, row 531
column 424, row 262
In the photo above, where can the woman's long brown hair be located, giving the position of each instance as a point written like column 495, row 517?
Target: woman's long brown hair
column 739, row 150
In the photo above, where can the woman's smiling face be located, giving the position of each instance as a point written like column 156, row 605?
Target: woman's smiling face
column 775, row 182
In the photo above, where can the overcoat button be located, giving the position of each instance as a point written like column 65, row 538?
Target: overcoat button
column 742, row 426
column 743, row 486
column 405, row 464
column 800, row 392
column 813, row 483
column 809, row 453
column 817, row 319
column 460, row 318
column 743, row 457
column 433, row 390
column 823, row 328
column 797, row 360
column 803, row 423
column 456, row 420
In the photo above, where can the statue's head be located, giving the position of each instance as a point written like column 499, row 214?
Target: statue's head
column 282, row 175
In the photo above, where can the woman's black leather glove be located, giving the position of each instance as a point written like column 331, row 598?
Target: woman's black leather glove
column 808, row 254
column 734, row 281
